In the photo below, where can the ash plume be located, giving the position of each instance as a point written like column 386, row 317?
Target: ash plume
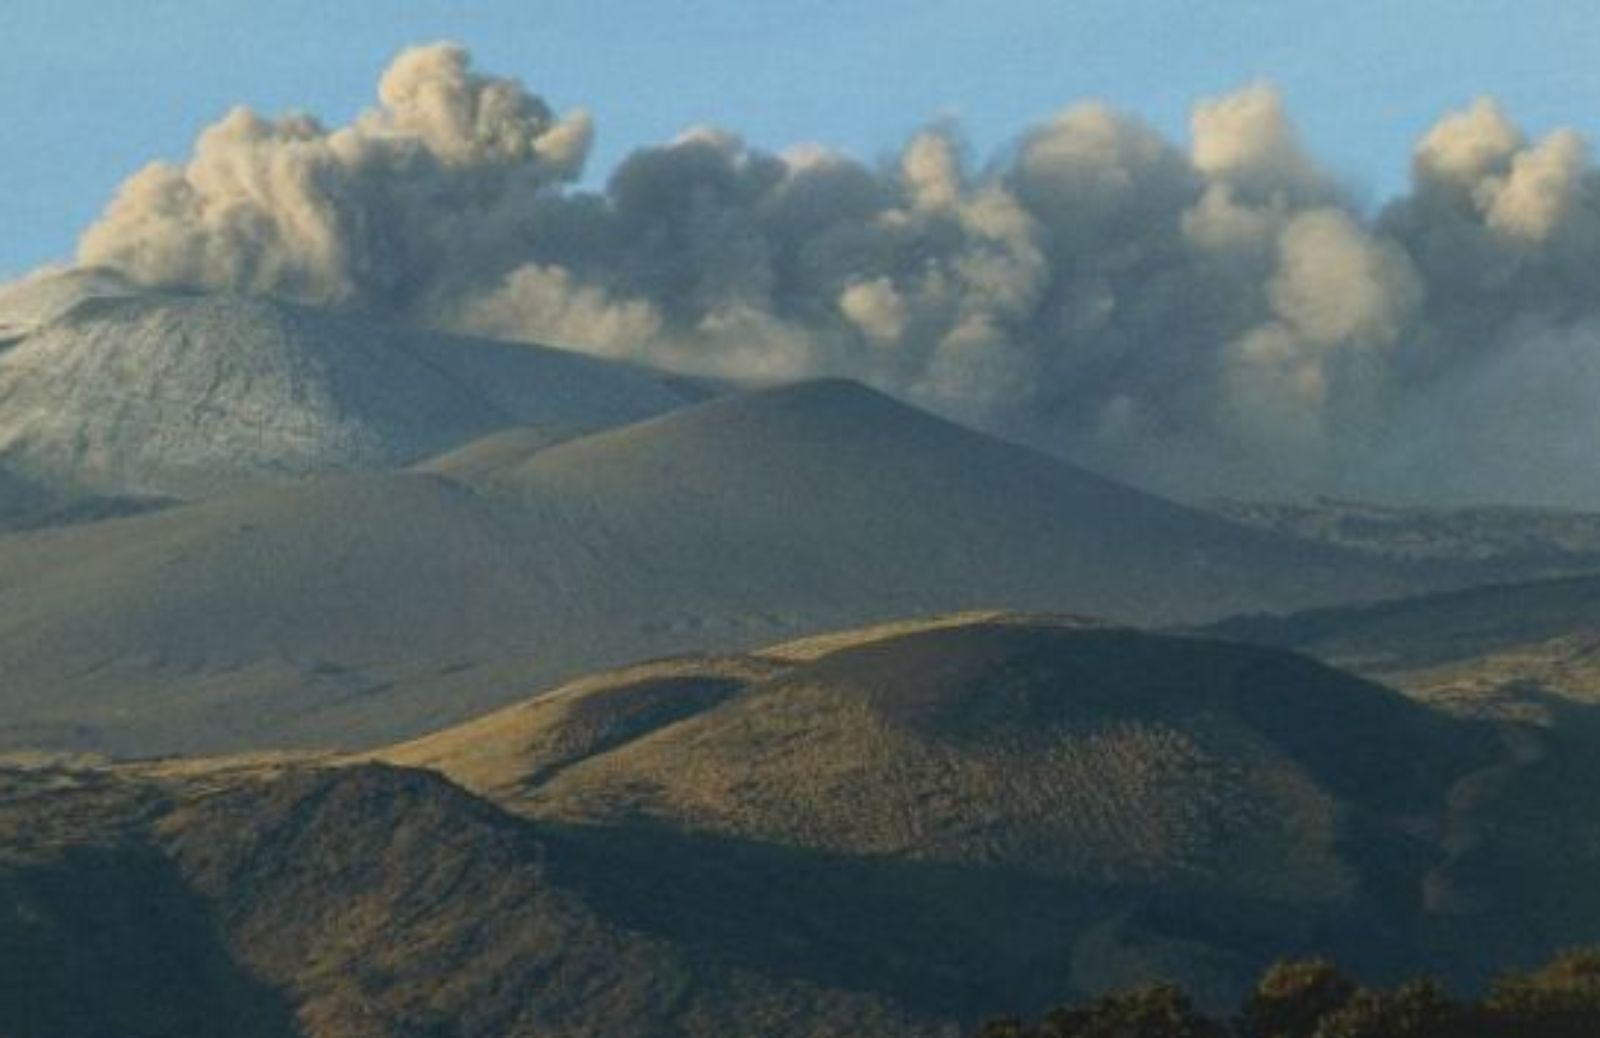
column 1205, row 317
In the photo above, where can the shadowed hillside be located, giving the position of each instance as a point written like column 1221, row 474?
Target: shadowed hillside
column 356, row 903
column 27, row 505
column 896, row 832
column 1172, row 778
column 1498, row 648
column 99, row 932
column 1096, row 752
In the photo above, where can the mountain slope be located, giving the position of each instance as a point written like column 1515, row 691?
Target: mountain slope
column 99, row 932
column 355, row 903
column 891, row 832
column 189, row 395
column 1063, row 748
column 365, row 608
column 36, row 300
column 860, row 484
column 27, row 505
column 1499, row 647
column 1160, row 805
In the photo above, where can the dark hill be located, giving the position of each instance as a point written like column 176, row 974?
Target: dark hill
column 887, row 832
column 1501, row 648
column 1077, row 751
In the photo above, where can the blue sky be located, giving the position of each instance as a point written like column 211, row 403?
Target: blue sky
column 92, row 89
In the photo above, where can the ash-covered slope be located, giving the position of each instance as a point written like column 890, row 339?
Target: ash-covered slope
column 361, row 609
column 38, row 299
column 156, row 393
column 828, row 486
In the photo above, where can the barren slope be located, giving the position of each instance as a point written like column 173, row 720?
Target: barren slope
column 163, row 394
column 364, row 608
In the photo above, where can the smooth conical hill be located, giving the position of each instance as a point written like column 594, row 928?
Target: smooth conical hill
column 359, row 609
column 828, row 485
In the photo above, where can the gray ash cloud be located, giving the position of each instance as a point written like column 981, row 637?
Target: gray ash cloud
column 1213, row 316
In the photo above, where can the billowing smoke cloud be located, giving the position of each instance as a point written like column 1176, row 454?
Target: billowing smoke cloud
column 417, row 193
column 1216, row 318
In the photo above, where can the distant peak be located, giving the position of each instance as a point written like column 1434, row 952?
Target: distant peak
column 822, row 399
column 833, row 385
column 47, row 295
column 832, row 388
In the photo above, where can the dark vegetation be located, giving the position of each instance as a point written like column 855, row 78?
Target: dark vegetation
column 1312, row 998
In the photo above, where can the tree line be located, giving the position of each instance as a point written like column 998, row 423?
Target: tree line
column 1313, row 998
